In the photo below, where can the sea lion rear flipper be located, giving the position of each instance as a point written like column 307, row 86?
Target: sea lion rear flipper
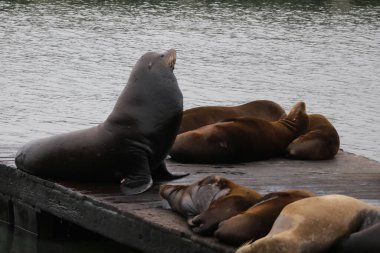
column 162, row 174
column 138, row 179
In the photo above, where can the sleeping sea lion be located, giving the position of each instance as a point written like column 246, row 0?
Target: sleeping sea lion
column 241, row 139
column 320, row 142
column 131, row 143
column 209, row 201
column 205, row 115
column 257, row 221
column 313, row 225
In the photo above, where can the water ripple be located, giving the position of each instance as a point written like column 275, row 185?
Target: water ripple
column 63, row 63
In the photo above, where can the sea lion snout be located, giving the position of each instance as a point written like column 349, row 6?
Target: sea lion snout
column 166, row 190
column 170, row 57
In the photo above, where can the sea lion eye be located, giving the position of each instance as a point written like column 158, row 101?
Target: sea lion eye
column 162, row 55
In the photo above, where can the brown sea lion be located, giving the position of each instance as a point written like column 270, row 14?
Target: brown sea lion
column 367, row 240
column 313, row 225
column 205, row 115
column 131, row 143
column 320, row 142
column 257, row 221
column 241, row 139
column 209, row 201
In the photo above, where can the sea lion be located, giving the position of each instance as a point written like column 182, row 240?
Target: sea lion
column 364, row 241
column 205, row 115
column 257, row 221
column 209, row 201
column 320, row 142
column 241, row 139
column 131, row 143
column 313, row 225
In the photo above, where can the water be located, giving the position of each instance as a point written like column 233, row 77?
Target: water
column 63, row 63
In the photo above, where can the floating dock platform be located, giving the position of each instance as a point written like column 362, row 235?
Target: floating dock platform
column 140, row 221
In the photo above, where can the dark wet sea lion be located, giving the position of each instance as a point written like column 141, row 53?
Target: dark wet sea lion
column 313, row 225
column 205, row 115
column 209, row 201
column 365, row 241
column 257, row 221
column 131, row 143
column 241, row 139
column 320, row 142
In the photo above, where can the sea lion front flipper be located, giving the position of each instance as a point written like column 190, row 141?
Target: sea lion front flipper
column 162, row 174
column 138, row 179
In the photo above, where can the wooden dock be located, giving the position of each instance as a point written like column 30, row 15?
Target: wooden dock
column 143, row 224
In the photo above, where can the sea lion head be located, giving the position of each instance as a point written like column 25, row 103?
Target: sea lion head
column 298, row 118
column 191, row 200
column 238, row 199
column 209, row 201
column 155, row 64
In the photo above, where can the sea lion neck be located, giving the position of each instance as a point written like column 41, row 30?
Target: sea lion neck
column 291, row 125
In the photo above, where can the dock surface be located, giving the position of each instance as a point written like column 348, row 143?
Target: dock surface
column 142, row 223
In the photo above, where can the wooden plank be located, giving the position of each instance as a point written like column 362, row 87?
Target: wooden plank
column 135, row 225
column 6, row 212
column 141, row 222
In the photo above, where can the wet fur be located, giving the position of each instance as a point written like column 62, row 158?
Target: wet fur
column 240, row 139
